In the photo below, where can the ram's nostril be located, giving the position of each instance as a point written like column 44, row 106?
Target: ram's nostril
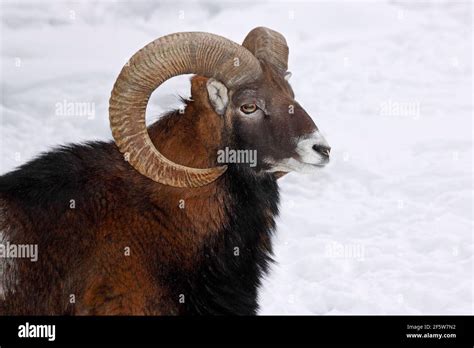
column 322, row 149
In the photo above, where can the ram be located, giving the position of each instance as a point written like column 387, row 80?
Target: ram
column 122, row 228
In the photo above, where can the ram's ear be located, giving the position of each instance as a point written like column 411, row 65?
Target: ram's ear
column 218, row 96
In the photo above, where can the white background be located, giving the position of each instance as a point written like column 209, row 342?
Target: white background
column 387, row 227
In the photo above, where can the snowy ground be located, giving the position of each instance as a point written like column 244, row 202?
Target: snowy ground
column 387, row 227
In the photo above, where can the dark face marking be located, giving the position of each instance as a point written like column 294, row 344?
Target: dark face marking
column 277, row 123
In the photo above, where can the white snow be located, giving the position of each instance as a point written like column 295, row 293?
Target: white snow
column 387, row 227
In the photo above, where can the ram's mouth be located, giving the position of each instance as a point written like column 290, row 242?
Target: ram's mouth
column 308, row 167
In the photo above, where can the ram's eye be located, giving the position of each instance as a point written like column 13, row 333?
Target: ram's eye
column 248, row 108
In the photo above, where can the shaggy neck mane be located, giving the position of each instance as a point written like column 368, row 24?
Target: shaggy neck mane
column 235, row 259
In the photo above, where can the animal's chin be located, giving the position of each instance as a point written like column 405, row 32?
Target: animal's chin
column 307, row 168
column 315, row 166
column 292, row 165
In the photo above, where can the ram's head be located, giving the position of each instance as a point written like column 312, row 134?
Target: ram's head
column 247, row 87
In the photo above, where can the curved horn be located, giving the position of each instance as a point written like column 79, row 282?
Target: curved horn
column 181, row 53
column 268, row 45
